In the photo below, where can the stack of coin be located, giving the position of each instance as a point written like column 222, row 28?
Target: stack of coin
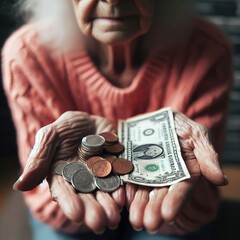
column 96, row 145
column 112, row 144
column 91, row 145
column 96, row 169
column 110, row 138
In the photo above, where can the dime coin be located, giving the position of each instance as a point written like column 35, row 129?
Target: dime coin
column 71, row 168
column 92, row 160
column 122, row 166
column 101, row 168
column 114, row 149
column 108, row 184
column 83, row 181
column 110, row 138
column 58, row 167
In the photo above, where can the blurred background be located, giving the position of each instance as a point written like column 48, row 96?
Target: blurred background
column 225, row 14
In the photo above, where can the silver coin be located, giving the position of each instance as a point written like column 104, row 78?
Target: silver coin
column 69, row 170
column 83, row 181
column 59, row 167
column 93, row 141
column 108, row 184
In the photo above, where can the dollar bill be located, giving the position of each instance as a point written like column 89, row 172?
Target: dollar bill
column 151, row 144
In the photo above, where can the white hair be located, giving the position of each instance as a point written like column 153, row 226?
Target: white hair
column 55, row 15
column 64, row 33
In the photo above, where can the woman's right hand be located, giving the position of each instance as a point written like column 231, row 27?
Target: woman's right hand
column 59, row 142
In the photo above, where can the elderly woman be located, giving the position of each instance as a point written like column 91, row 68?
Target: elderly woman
column 76, row 68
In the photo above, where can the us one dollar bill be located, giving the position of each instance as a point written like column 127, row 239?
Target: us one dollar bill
column 151, row 144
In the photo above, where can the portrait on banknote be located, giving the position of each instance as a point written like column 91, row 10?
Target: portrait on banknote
column 147, row 151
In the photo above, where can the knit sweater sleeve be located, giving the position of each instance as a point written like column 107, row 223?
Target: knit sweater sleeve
column 203, row 95
column 209, row 105
column 204, row 81
column 34, row 102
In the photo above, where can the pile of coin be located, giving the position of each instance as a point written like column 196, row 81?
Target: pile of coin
column 91, row 145
column 96, row 168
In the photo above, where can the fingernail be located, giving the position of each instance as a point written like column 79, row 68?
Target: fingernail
column 171, row 188
column 44, row 184
column 152, row 232
column 137, row 229
column 151, row 194
column 99, row 232
column 226, row 179
column 113, row 228
column 15, row 185
column 78, row 223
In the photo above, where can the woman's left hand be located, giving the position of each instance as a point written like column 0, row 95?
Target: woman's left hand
column 153, row 208
column 59, row 142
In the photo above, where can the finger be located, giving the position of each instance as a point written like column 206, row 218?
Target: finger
column 152, row 214
column 119, row 197
column 66, row 130
column 94, row 218
column 102, row 124
column 70, row 203
column 38, row 164
column 55, row 215
column 208, row 162
column 110, row 207
column 175, row 198
column 137, row 207
column 131, row 190
column 72, row 127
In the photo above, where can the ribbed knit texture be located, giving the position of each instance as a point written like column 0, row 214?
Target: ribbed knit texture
column 41, row 85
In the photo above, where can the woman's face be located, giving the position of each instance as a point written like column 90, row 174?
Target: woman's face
column 114, row 21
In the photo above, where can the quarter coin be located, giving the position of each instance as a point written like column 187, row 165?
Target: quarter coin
column 58, row 167
column 71, row 168
column 83, row 181
column 93, row 141
column 108, row 184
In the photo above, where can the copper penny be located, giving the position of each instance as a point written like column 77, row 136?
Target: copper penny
column 122, row 166
column 110, row 138
column 91, row 161
column 114, row 149
column 102, row 168
column 110, row 159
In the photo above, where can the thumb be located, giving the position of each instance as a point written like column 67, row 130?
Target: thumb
column 39, row 160
column 208, row 161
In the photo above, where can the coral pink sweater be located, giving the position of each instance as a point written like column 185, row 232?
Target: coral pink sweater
column 41, row 85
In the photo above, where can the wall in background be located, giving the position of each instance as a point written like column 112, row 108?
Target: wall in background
column 226, row 14
column 8, row 24
column 8, row 148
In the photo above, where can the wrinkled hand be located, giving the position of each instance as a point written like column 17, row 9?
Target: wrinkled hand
column 154, row 208
column 59, row 142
